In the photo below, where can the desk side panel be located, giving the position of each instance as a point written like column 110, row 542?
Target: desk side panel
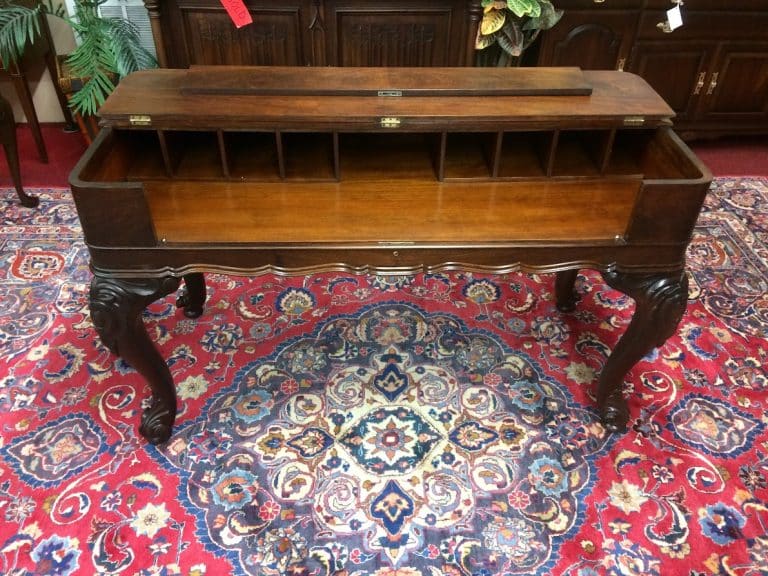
column 112, row 213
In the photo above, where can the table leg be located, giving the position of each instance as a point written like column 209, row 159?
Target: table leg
column 116, row 309
column 25, row 97
column 8, row 138
column 192, row 295
column 565, row 296
column 660, row 300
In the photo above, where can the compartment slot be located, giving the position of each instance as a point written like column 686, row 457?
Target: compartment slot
column 307, row 156
column 251, row 155
column 469, row 155
column 525, row 154
column 628, row 150
column 192, row 154
column 581, row 152
column 386, row 156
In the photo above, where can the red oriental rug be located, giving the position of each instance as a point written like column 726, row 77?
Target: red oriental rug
column 386, row 426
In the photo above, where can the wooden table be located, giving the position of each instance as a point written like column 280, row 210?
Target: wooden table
column 42, row 50
column 296, row 171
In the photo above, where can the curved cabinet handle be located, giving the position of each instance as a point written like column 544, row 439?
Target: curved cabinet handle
column 664, row 27
column 712, row 83
column 699, row 83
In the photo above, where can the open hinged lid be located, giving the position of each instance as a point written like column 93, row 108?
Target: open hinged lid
column 408, row 99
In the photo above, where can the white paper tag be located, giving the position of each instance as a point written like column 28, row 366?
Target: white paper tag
column 674, row 17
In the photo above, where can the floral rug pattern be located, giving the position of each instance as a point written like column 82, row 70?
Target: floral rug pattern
column 386, row 426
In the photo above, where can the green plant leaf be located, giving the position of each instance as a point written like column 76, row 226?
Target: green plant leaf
column 130, row 55
column 522, row 8
column 511, row 38
column 493, row 20
column 19, row 26
column 483, row 41
column 547, row 19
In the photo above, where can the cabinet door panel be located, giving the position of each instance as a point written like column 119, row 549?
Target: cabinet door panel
column 386, row 33
column 203, row 33
column 676, row 70
column 740, row 90
column 590, row 39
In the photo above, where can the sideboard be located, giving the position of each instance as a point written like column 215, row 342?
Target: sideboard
column 713, row 71
column 248, row 170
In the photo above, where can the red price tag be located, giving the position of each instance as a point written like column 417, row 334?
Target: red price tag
column 237, row 12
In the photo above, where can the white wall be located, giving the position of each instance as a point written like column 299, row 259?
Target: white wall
column 40, row 81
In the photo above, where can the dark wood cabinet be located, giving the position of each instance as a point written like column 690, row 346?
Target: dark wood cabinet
column 317, row 33
column 678, row 76
column 713, row 71
column 601, row 39
column 737, row 89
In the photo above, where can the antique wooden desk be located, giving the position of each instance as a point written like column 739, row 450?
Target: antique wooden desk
column 252, row 170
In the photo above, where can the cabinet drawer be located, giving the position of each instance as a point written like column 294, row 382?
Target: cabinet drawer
column 709, row 25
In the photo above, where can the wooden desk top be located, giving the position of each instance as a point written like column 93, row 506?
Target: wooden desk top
column 183, row 99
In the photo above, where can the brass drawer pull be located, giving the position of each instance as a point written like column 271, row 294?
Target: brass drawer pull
column 664, row 27
column 712, row 83
column 699, row 83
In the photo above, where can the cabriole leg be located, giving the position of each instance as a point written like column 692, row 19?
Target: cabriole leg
column 660, row 301
column 192, row 295
column 116, row 308
column 565, row 296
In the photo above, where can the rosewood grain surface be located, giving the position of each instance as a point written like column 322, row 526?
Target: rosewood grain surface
column 181, row 182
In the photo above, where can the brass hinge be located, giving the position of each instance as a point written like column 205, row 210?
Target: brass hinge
column 634, row 120
column 390, row 93
column 140, row 120
column 390, row 122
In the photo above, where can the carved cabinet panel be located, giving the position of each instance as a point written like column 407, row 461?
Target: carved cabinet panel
column 201, row 32
column 317, row 33
column 386, row 33
column 677, row 75
column 590, row 39
column 737, row 87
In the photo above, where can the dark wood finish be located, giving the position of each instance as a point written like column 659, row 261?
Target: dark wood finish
column 116, row 307
column 660, row 301
column 385, row 82
column 8, row 140
column 493, row 184
column 602, row 39
column 316, row 33
column 42, row 50
column 713, row 71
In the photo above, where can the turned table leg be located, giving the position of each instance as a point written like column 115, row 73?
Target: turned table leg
column 660, row 300
column 116, row 308
column 565, row 296
column 192, row 295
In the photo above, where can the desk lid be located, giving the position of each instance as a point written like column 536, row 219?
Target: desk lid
column 383, row 82
column 308, row 99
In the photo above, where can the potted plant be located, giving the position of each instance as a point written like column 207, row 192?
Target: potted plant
column 107, row 50
column 509, row 27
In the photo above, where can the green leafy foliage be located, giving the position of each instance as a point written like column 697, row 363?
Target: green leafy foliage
column 514, row 24
column 108, row 49
column 19, row 26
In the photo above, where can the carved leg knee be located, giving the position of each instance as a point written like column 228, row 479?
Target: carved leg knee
column 565, row 296
column 660, row 300
column 192, row 295
column 116, row 308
